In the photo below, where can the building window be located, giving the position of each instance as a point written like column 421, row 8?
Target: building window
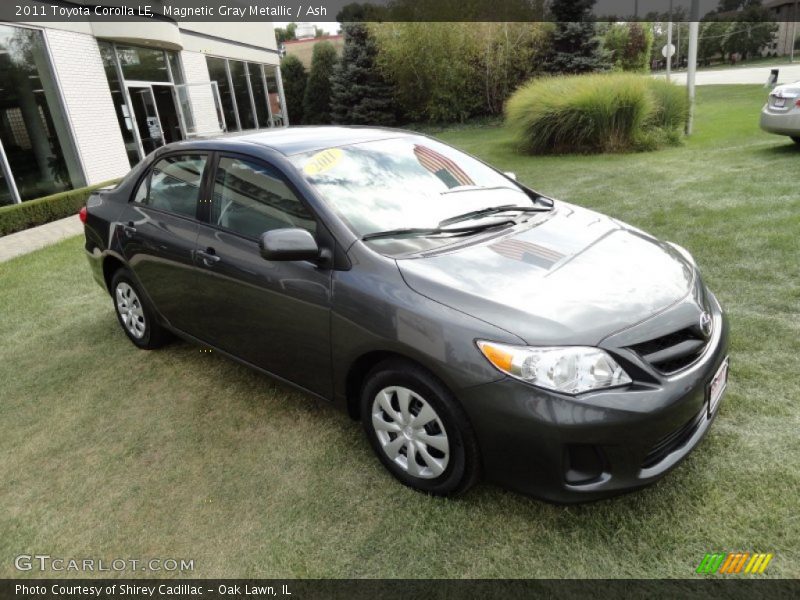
column 120, row 104
column 218, row 71
column 251, row 93
column 37, row 154
column 259, row 93
column 143, row 64
column 275, row 91
column 150, row 97
column 241, row 91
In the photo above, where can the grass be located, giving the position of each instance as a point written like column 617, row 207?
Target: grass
column 110, row 452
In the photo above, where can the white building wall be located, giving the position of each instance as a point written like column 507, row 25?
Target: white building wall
column 87, row 97
column 201, row 97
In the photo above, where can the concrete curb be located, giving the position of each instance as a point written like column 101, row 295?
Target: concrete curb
column 24, row 242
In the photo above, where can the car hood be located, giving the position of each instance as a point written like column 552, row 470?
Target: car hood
column 570, row 276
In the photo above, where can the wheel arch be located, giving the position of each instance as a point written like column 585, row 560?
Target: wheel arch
column 111, row 264
column 360, row 368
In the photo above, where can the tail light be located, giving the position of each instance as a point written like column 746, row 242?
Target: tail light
column 82, row 214
column 797, row 103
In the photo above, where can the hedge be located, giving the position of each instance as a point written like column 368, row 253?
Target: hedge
column 596, row 113
column 31, row 213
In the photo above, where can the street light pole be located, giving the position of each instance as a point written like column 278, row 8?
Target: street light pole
column 694, row 31
column 669, row 48
column 669, row 43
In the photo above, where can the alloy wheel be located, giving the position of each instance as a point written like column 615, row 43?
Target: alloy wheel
column 130, row 310
column 410, row 432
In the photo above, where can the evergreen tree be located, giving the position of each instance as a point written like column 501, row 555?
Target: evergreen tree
column 317, row 99
column 575, row 47
column 294, row 78
column 361, row 95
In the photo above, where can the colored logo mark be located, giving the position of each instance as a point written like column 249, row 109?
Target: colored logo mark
column 734, row 562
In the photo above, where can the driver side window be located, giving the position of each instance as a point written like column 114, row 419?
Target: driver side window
column 251, row 198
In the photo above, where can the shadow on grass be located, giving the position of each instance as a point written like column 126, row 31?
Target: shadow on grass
column 780, row 149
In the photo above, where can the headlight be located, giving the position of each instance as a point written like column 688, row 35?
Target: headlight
column 569, row 369
column 684, row 253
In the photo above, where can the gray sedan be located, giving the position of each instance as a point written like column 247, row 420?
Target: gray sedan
column 474, row 326
column 781, row 113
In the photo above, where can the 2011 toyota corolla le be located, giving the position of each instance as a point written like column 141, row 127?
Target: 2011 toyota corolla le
column 472, row 324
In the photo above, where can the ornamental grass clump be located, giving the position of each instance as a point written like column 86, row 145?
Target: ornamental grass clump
column 595, row 113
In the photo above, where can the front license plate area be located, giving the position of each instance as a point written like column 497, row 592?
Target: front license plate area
column 717, row 387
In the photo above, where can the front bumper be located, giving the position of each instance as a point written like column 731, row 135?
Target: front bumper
column 566, row 449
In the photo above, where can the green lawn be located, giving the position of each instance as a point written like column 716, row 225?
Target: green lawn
column 108, row 451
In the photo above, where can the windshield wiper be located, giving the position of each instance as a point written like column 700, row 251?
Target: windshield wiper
column 493, row 210
column 422, row 231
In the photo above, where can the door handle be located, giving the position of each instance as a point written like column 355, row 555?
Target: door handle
column 129, row 230
column 208, row 256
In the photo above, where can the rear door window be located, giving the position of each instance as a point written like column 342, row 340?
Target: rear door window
column 174, row 184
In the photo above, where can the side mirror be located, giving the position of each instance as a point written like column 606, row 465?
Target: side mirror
column 288, row 244
column 510, row 175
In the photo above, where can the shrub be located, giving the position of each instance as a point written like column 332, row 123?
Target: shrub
column 629, row 46
column 594, row 113
column 317, row 99
column 432, row 69
column 43, row 210
column 294, row 77
column 671, row 107
column 448, row 72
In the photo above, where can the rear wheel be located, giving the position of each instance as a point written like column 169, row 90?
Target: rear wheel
column 134, row 315
column 418, row 430
column 796, row 139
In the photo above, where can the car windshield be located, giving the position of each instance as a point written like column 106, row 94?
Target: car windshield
column 407, row 182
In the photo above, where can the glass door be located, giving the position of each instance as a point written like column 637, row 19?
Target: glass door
column 168, row 115
column 146, row 116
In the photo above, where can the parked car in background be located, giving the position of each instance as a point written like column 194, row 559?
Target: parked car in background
column 781, row 113
column 473, row 325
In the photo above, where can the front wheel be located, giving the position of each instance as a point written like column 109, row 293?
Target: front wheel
column 796, row 139
column 418, row 430
column 134, row 315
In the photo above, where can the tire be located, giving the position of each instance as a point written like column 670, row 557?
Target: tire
column 395, row 396
column 796, row 139
column 134, row 314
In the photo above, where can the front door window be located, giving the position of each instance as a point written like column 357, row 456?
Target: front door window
column 251, row 198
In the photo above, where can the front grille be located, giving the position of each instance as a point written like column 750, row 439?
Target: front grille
column 673, row 351
column 672, row 441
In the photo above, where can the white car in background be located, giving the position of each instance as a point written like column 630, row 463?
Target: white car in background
column 781, row 113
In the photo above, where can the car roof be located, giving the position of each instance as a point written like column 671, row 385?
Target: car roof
column 300, row 139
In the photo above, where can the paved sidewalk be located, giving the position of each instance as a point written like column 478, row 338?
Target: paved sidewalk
column 787, row 73
column 22, row 242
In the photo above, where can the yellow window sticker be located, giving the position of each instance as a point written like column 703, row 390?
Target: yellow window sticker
column 323, row 161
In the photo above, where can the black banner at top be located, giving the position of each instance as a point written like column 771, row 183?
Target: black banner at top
column 40, row 11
